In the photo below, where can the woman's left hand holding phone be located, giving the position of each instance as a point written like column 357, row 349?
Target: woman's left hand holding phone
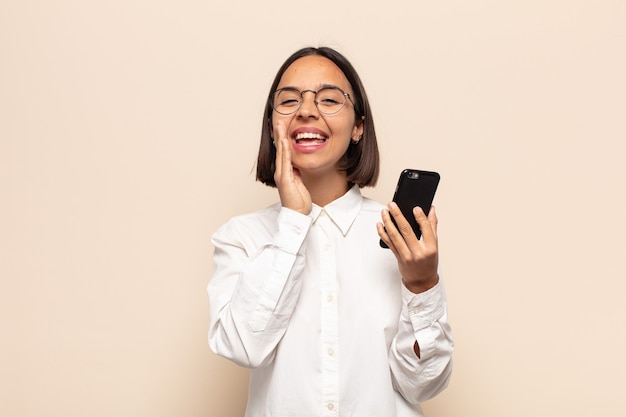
column 292, row 191
column 418, row 259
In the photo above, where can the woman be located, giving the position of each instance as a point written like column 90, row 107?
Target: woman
column 329, row 323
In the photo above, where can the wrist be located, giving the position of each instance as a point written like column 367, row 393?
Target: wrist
column 421, row 286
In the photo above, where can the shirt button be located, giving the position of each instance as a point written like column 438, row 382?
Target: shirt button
column 330, row 298
column 331, row 406
column 331, row 352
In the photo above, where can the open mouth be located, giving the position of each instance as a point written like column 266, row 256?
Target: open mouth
column 309, row 138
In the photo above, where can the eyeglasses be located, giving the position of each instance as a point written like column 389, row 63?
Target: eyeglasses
column 328, row 100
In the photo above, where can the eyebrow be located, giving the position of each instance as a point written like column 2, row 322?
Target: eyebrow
column 320, row 87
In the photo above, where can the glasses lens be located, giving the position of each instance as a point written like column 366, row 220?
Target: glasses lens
column 287, row 101
column 330, row 100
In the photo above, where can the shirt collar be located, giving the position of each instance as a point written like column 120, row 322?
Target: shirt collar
column 342, row 211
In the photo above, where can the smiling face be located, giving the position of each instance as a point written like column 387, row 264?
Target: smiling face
column 318, row 141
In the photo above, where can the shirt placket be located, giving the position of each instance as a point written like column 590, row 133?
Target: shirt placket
column 328, row 311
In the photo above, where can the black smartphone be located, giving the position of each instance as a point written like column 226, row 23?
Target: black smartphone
column 415, row 188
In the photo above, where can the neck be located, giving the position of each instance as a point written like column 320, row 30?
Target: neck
column 325, row 190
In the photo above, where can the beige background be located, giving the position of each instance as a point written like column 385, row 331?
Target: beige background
column 128, row 132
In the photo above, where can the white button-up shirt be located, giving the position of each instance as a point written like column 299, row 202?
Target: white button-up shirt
column 317, row 310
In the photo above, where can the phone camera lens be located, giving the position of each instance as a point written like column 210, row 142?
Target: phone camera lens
column 414, row 175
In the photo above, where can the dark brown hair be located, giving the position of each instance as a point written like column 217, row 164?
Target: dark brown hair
column 361, row 161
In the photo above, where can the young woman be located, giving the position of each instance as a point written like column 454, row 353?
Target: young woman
column 330, row 323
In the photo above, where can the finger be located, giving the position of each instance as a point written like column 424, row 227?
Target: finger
column 395, row 237
column 281, row 137
column 403, row 225
column 432, row 219
column 280, row 130
column 281, row 166
column 428, row 229
column 287, row 167
column 279, row 156
column 382, row 233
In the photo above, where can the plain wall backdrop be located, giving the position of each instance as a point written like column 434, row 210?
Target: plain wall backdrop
column 128, row 134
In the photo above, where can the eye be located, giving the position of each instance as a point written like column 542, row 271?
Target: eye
column 288, row 102
column 330, row 97
column 287, row 98
column 329, row 100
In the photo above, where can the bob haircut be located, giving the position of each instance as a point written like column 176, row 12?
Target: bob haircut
column 361, row 161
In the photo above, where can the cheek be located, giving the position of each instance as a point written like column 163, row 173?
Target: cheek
column 347, row 131
column 343, row 126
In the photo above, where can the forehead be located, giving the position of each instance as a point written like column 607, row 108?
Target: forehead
column 312, row 72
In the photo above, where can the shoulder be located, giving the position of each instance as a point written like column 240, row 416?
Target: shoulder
column 258, row 223
column 260, row 216
column 369, row 215
column 369, row 206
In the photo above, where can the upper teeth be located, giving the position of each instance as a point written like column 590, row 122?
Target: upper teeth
column 309, row 135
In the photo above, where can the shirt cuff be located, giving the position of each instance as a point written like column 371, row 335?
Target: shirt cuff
column 292, row 229
column 425, row 308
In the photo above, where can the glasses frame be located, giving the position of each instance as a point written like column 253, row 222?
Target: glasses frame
column 333, row 87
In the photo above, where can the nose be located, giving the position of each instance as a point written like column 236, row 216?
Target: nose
column 308, row 108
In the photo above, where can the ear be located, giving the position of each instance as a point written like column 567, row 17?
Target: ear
column 357, row 130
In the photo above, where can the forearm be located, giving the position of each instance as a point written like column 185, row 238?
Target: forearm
column 247, row 328
column 253, row 292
